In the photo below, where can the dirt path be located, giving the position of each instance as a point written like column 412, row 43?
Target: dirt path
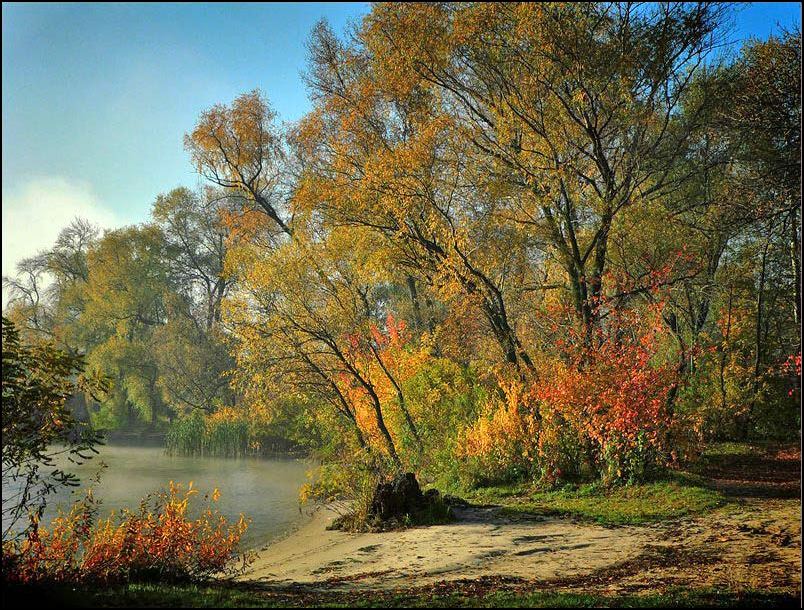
column 752, row 543
column 752, row 546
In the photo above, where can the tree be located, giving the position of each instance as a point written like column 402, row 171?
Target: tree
column 239, row 147
column 196, row 243
column 128, row 296
column 296, row 317
column 764, row 121
column 397, row 166
column 573, row 110
column 37, row 381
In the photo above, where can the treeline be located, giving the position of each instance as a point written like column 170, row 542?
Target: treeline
column 546, row 241
column 143, row 303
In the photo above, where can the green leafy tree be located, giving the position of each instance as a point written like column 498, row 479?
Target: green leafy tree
column 38, row 379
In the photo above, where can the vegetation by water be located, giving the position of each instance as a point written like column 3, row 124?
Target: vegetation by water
column 159, row 542
column 222, row 434
column 264, row 488
column 37, row 426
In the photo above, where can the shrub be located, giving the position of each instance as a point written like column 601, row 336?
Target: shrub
column 601, row 406
column 615, row 396
column 159, row 541
column 444, row 398
column 500, row 446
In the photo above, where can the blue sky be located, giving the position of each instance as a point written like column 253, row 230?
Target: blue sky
column 97, row 97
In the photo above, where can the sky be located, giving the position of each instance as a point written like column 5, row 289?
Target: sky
column 97, row 97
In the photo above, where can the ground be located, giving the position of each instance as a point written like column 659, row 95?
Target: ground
column 728, row 533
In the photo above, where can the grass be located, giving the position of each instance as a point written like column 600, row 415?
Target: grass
column 679, row 496
column 719, row 454
column 732, row 449
column 461, row 595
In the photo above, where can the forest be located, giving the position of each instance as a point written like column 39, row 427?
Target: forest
column 511, row 244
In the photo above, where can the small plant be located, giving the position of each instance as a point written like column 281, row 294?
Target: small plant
column 158, row 542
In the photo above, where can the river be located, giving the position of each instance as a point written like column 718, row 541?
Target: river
column 264, row 489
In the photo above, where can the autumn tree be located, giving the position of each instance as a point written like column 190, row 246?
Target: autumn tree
column 239, row 147
column 387, row 160
column 190, row 347
column 573, row 110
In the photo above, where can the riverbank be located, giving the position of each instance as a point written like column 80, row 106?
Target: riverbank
column 745, row 550
column 735, row 523
column 748, row 546
column 481, row 543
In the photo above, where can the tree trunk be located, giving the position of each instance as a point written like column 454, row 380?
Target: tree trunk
column 757, row 341
column 724, row 349
column 795, row 259
column 414, row 299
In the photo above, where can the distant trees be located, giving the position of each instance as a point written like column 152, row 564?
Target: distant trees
column 142, row 303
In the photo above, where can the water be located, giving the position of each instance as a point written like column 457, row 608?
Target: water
column 266, row 490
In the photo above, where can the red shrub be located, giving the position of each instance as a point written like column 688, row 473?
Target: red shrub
column 158, row 542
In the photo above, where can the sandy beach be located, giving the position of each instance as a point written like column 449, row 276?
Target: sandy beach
column 480, row 543
column 483, row 542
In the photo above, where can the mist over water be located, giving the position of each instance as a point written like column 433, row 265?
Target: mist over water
column 264, row 489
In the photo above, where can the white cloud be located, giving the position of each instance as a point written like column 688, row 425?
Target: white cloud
column 36, row 211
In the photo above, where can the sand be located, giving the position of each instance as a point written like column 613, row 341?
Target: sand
column 482, row 542
column 753, row 542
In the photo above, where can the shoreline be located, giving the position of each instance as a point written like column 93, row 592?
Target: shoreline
column 716, row 549
column 309, row 518
column 480, row 543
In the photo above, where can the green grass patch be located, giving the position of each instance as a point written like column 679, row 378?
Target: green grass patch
column 732, row 450
column 227, row 596
column 725, row 455
column 678, row 497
